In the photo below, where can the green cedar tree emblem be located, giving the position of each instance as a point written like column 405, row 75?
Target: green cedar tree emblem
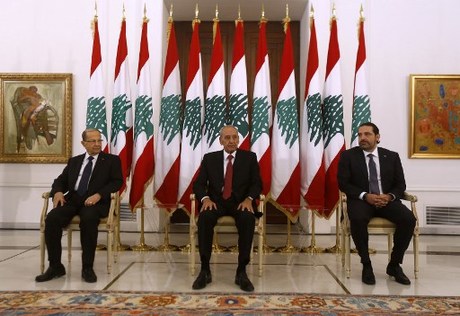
column 287, row 120
column 239, row 113
column 333, row 117
column 260, row 123
column 120, row 106
column 314, row 118
column 361, row 114
column 143, row 117
column 170, row 117
column 96, row 116
column 215, row 118
column 192, row 121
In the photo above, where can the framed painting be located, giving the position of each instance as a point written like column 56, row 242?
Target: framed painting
column 435, row 116
column 35, row 117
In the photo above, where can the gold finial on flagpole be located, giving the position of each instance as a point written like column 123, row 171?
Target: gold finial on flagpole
column 361, row 13
column 287, row 19
column 239, row 11
column 333, row 11
column 217, row 13
column 123, row 16
column 263, row 19
column 170, row 22
column 171, row 9
column 312, row 12
column 196, row 20
column 95, row 10
column 145, row 19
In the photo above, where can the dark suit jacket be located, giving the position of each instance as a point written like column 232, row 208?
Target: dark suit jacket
column 353, row 177
column 106, row 177
column 246, row 177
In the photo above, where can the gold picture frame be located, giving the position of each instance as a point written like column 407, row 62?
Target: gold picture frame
column 435, row 116
column 35, row 117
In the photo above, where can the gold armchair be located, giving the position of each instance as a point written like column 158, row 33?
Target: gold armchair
column 227, row 224
column 108, row 224
column 377, row 225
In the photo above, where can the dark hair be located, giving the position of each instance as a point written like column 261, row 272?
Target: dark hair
column 83, row 135
column 375, row 129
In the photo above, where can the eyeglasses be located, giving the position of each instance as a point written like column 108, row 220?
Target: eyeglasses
column 93, row 141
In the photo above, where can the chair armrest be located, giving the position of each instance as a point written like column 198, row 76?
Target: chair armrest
column 412, row 199
column 343, row 203
column 409, row 197
column 113, row 210
column 45, row 196
column 193, row 209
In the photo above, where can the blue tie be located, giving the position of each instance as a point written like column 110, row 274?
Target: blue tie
column 373, row 180
column 83, row 185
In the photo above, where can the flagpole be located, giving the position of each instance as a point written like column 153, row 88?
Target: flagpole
column 142, row 246
column 166, row 246
column 289, row 248
column 118, row 245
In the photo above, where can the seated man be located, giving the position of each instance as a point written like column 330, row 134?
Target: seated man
column 228, row 183
column 373, row 180
column 83, row 188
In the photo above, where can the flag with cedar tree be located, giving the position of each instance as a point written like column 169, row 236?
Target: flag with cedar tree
column 285, row 186
column 334, row 141
column 121, row 136
column 169, row 133
column 96, row 114
column 215, row 107
column 191, row 142
column 239, row 88
column 361, row 103
column 143, row 151
column 262, row 110
column 311, row 135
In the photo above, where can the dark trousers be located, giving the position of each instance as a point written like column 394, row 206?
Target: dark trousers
column 361, row 212
column 245, row 223
column 59, row 217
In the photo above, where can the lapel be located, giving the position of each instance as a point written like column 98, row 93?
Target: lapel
column 75, row 170
column 220, row 166
column 100, row 162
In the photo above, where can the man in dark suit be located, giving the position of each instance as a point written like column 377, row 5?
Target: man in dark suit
column 90, row 199
column 240, row 170
column 373, row 180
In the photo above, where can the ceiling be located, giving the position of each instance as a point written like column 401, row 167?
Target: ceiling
column 275, row 10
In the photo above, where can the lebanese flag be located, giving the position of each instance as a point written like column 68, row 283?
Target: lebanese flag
column 143, row 159
column 96, row 116
column 262, row 110
column 285, row 187
column 215, row 108
column 334, row 141
column 311, row 135
column 121, row 138
column 361, row 103
column 168, row 141
column 191, row 143
column 239, row 88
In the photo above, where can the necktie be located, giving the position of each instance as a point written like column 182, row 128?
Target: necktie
column 373, row 181
column 84, row 180
column 228, row 178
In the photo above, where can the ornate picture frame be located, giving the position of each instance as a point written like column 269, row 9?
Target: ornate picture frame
column 35, row 117
column 435, row 116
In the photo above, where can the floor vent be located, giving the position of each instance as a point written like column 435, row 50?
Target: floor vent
column 125, row 213
column 442, row 215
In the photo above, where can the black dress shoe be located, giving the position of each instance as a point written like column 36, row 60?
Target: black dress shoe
column 51, row 273
column 243, row 281
column 368, row 276
column 396, row 271
column 88, row 275
column 203, row 279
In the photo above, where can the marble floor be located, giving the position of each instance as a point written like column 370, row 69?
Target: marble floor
column 283, row 272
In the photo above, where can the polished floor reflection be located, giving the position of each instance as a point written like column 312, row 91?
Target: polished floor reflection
column 283, row 272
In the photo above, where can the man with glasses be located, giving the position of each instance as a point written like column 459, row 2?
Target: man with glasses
column 83, row 188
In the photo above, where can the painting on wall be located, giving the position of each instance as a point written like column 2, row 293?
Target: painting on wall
column 35, row 118
column 435, row 116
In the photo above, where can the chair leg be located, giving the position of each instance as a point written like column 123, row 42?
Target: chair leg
column 192, row 251
column 109, row 251
column 390, row 245
column 261, row 250
column 42, row 251
column 69, row 244
column 347, row 255
column 415, row 242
